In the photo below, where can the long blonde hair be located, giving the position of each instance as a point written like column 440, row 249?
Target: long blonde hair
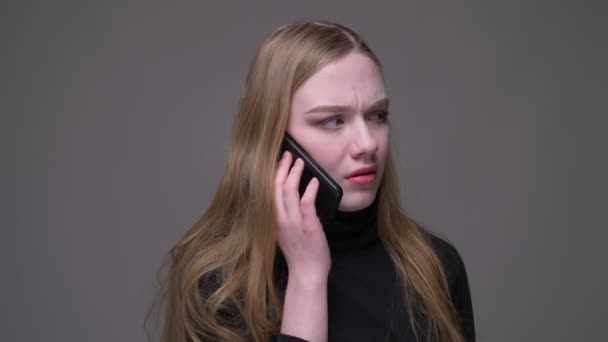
column 231, row 249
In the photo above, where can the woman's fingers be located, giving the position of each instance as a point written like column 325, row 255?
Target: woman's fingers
column 291, row 209
column 291, row 195
column 300, row 235
column 281, row 174
column 309, row 212
column 283, row 166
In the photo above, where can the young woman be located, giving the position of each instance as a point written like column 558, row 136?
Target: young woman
column 259, row 265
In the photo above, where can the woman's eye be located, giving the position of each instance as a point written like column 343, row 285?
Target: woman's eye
column 333, row 122
column 380, row 116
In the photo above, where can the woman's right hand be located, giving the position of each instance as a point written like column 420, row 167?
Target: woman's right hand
column 300, row 234
column 302, row 240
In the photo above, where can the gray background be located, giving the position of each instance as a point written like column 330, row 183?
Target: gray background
column 115, row 124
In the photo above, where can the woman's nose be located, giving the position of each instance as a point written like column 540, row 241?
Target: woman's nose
column 363, row 140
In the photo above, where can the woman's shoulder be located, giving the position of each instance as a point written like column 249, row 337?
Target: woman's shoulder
column 447, row 253
column 457, row 278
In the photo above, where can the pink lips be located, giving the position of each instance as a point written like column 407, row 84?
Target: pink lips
column 362, row 176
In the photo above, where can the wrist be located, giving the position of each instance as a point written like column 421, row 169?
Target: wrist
column 307, row 281
column 305, row 307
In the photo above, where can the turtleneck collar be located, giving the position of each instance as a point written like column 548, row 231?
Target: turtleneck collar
column 353, row 230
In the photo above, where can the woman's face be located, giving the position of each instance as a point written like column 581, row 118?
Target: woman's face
column 339, row 116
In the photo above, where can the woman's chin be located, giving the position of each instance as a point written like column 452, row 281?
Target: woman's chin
column 356, row 201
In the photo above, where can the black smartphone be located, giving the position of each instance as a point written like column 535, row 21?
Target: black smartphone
column 329, row 194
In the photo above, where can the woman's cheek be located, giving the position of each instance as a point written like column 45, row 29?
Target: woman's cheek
column 330, row 160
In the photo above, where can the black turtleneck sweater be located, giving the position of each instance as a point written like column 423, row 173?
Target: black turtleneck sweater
column 365, row 301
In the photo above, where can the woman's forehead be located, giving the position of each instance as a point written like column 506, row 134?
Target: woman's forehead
column 354, row 80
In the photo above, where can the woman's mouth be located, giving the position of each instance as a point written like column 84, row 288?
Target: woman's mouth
column 362, row 176
column 363, row 179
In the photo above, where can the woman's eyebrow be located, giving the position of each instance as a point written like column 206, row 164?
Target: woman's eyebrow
column 380, row 104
